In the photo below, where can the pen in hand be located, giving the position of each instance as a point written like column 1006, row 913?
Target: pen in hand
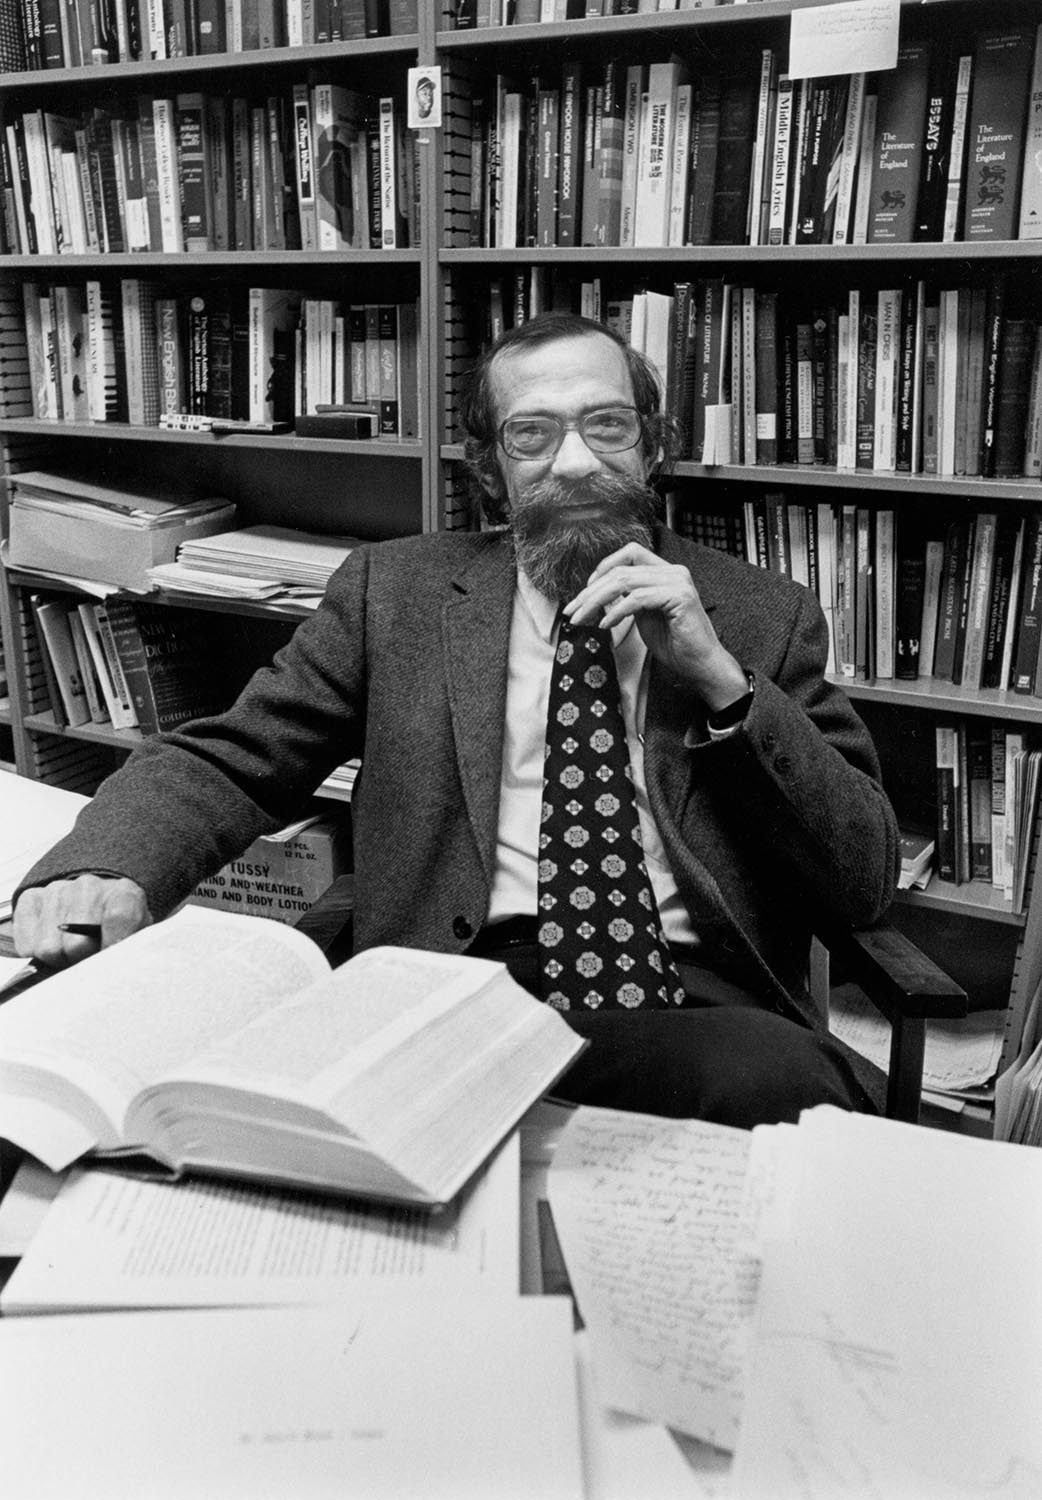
column 81, row 929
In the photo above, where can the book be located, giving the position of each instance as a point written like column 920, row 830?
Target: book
column 170, row 663
column 704, row 157
column 1002, row 604
column 937, row 140
column 734, row 153
column 1011, row 397
column 338, row 121
column 273, row 315
column 955, row 195
column 52, row 619
column 102, row 644
column 194, row 170
column 1002, row 69
column 651, row 211
column 141, row 350
column 948, row 788
column 900, row 139
column 317, row 1068
column 1030, row 217
column 917, row 850
column 982, row 569
column 1029, row 615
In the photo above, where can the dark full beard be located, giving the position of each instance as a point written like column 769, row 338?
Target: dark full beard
column 559, row 550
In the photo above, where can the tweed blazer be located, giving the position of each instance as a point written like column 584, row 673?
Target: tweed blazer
column 768, row 831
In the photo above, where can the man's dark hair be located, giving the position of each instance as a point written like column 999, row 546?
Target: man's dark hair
column 478, row 412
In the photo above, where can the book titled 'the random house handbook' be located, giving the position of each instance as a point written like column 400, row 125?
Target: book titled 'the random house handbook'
column 220, row 1044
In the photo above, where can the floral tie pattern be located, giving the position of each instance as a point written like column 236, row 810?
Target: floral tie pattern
column 600, row 942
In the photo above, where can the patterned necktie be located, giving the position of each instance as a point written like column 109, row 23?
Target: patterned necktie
column 600, row 942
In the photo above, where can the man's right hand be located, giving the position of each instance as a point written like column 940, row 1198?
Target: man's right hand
column 112, row 905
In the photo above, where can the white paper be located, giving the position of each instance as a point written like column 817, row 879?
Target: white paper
column 958, row 1055
column 625, row 1458
column 857, row 36
column 110, row 1241
column 33, row 816
column 648, row 1213
column 433, row 1398
column 897, row 1347
column 24, row 1206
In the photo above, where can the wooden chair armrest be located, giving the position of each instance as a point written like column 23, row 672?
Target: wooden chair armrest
column 896, row 975
column 909, row 989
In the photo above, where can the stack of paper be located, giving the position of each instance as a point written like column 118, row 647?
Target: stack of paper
column 961, row 1056
column 33, row 816
column 851, row 1304
column 62, row 525
column 255, row 562
column 897, row 1346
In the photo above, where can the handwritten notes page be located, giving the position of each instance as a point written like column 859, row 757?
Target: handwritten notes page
column 897, row 1348
column 648, row 1212
column 851, row 37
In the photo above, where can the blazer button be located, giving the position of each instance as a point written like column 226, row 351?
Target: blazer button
column 461, row 928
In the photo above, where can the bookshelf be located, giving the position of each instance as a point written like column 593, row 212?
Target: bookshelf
column 370, row 489
column 1005, row 944
column 392, row 487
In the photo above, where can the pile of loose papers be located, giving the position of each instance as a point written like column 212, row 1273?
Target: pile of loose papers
column 850, row 1305
column 256, row 562
column 961, row 1056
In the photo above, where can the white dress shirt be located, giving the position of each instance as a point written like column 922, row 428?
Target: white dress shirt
column 529, row 662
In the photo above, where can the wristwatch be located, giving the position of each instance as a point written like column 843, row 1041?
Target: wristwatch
column 731, row 716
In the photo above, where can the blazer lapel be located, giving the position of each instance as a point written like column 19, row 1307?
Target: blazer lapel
column 476, row 634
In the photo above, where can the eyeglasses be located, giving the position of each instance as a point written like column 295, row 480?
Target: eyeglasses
column 613, row 429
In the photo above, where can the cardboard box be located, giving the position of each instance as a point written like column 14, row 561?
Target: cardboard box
column 281, row 878
column 62, row 525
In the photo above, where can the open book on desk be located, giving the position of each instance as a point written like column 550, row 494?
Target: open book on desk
column 223, row 1044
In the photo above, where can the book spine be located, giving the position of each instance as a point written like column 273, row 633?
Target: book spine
column 955, row 192
column 170, row 346
column 305, row 166
column 995, row 145
column 1030, row 219
column 163, row 114
column 1011, row 405
column 124, row 715
column 194, row 172
column 900, row 120
column 947, row 781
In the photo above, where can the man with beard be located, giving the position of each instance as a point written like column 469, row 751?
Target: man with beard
column 755, row 808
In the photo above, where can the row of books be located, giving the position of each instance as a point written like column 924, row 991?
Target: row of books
column 469, row 13
column 963, row 606
column 911, row 379
column 125, row 352
column 38, row 34
column 944, row 147
column 316, row 167
column 987, row 800
column 126, row 664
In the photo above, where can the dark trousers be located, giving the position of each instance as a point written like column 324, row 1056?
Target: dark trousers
column 720, row 1058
